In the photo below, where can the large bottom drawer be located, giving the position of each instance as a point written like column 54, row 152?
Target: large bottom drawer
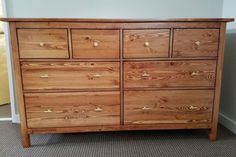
column 168, row 106
column 72, row 109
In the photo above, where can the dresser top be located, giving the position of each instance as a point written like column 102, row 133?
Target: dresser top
column 97, row 20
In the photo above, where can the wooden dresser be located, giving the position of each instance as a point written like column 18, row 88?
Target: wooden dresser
column 83, row 75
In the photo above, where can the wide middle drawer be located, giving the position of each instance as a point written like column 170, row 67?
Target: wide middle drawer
column 170, row 73
column 69, row 75
column 72, row 109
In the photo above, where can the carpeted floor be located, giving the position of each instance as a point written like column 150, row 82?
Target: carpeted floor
column 5, row 111
column 180, row 143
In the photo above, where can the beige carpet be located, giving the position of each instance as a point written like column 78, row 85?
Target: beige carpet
column 5, row 111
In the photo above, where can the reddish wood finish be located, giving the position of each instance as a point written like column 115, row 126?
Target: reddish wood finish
column 69, row 75
column 167, row 77
column 95, row 43
column 170, row 74
column 146, row 43
column 213, row 130
column 195, row 42
column 72, row 109
column 18, row 83
column 43, row 43
column 168, row 106
column 116, row 20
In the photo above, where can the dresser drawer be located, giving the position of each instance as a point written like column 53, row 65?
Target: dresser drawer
column 43, row 43
column 172, row 106
column 195, row 42
column 146, row 43
column 170, row 73
column 70, row 75
column 95, row 43
column 72, row 109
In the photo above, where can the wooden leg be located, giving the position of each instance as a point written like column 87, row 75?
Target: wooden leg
column 213, row 134
column 25, row 140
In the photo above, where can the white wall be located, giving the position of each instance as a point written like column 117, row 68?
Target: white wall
column 228, row 100
column 114, row 8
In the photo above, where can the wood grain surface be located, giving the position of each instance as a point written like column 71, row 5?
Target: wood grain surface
column 18, row 85
column 168, row 106
column 146, row 43
column 84, row 75
column 43, row 43
column 117, row 20
column 195, row 42
column 95, row 43
column 69, row 75
column 72, row 109
column 170, row 73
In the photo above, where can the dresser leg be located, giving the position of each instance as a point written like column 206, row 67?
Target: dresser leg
column 213, row 134
column 25, row 140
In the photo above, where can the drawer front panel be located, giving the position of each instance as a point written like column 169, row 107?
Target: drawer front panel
column 95, row 43
column 72, row 109
column 180, row 106
column 43, row 43
column 146, row 43
column 170, row 74
column 195, row 42
column 70, row 75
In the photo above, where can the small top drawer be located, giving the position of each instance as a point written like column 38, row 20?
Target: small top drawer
column 43, row 43
column 195, row 42
column 146, row 43
column 95, row 43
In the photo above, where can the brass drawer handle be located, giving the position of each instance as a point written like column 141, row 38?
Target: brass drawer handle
column 195, row 73
column 98, row 109
column 146, row 44
column 198, row 43
column 95, row 44
column 146, row 108
column 97, row 75
column 145, row 74
column 41, row 44
column 194, row 108
column 44, row 76
column 48, row 111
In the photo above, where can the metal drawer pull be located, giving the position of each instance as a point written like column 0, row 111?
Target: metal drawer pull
column 146, row 108
column 194, row 108
column 44, row 76
column 98, row 109
column 97, row 75
column 48, row 111
column 198, row 43
column 145, row 74
column 95, row 44
column 194, row 73
column 41, row 44
column 146, row 44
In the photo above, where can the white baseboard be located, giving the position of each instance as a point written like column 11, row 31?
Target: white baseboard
column 5, row 119
column 227, row 122
column 16, row 118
